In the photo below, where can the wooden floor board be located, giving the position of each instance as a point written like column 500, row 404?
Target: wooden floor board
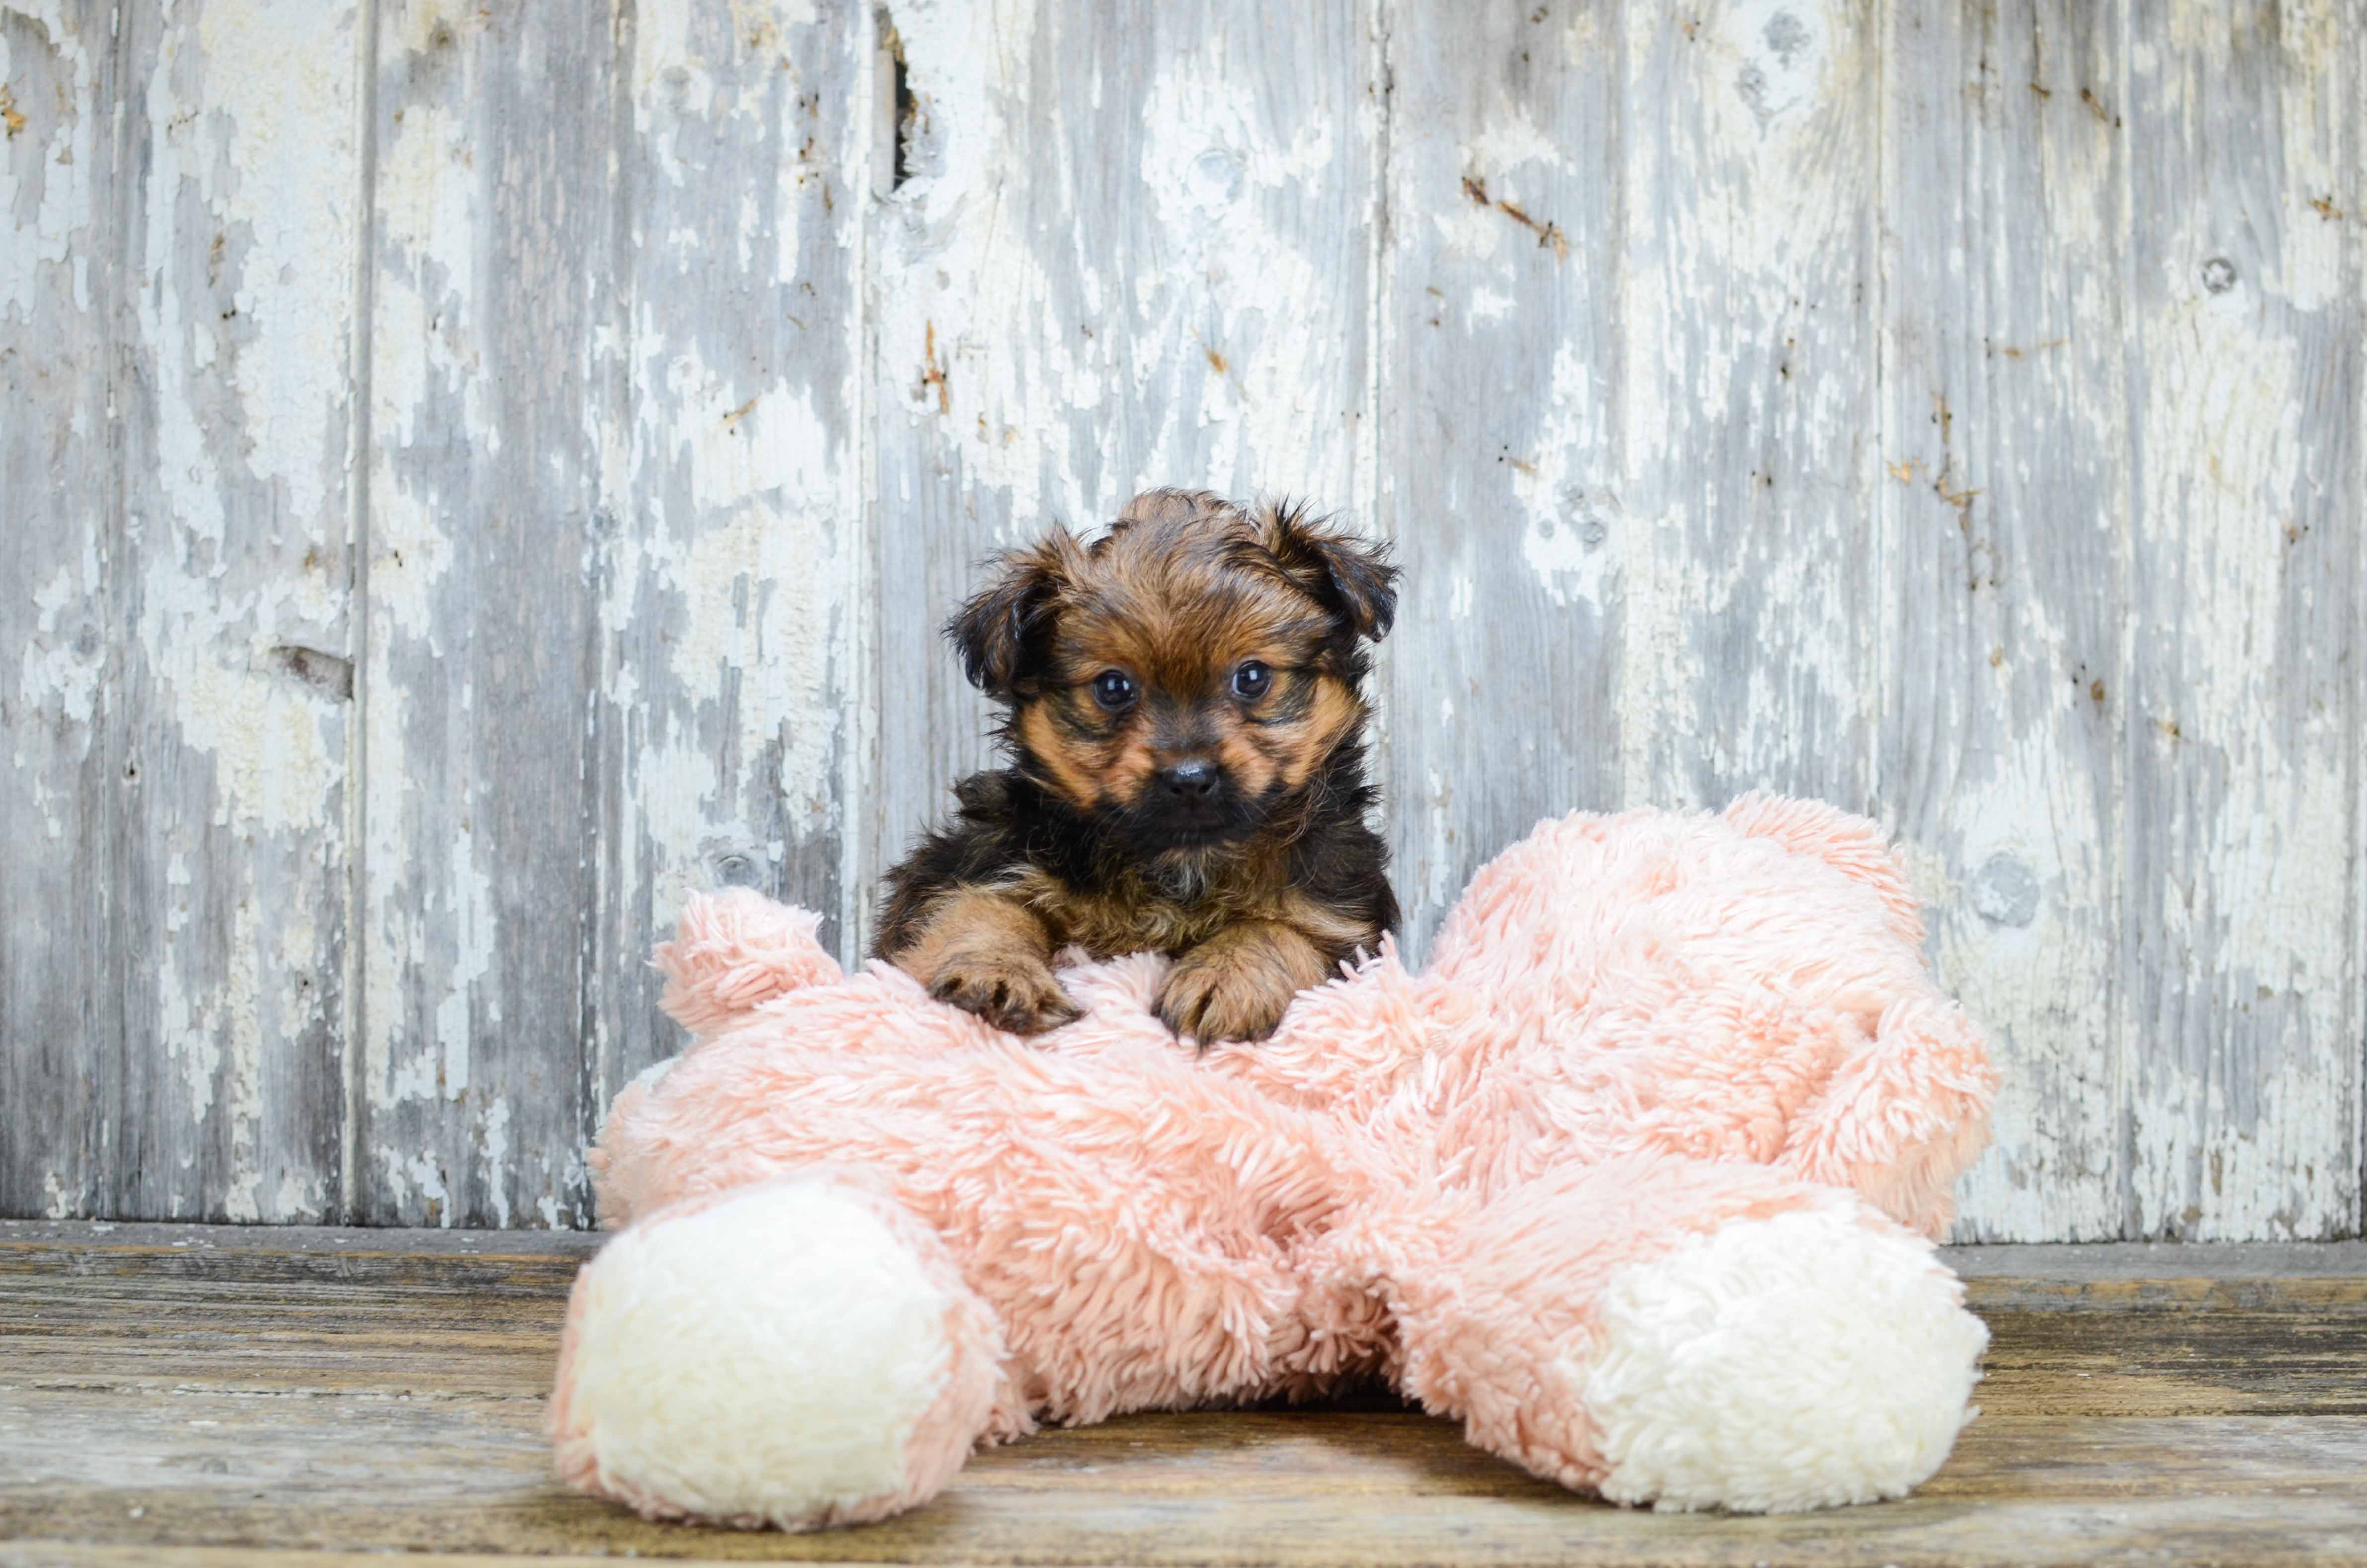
column 240, row 1398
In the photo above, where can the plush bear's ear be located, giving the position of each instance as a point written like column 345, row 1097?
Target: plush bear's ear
column 1001, row 630
column 1350, row 576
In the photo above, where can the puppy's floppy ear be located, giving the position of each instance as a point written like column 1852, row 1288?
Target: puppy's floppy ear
column 1000, row 632
column 1350, row 576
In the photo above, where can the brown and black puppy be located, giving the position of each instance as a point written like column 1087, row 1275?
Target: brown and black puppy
column 1186, row 730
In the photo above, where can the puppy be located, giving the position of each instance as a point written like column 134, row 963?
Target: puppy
column 1184, row 724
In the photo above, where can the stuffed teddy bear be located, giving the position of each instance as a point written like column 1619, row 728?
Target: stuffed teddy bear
column 1634, row 1181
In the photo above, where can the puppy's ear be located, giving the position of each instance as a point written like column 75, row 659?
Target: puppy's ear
column 1000, row 631
column 1350, row 576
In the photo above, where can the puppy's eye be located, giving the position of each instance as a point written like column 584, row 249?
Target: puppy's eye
column 1251, row 680
column 1114, row 690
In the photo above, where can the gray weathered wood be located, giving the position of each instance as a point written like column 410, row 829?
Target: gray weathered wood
column 2004, row 505
column 1749, row 189
column 1500, row 417
column 498, row 240
column 2241, row 712
column 238, row 510
column 192, row 225
column 733, row 568
column 62, row 1040
column 473, row 474
column 615, row 662
column 1132, row 250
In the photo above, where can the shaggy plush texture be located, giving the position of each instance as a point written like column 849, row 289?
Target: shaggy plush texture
column 1634, row 1181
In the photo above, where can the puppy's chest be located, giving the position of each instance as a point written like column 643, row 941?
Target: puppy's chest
column 1141, row 912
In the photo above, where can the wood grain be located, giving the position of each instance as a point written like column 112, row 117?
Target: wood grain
column 496, row 231
column 194, row 210
column 2004, row 500
column 62, row 1037
column 1501, row 418
column 186, row 1391
column 1318, row 1487
column 732, row 564
column 1750, row 186
column 475, row 474
column 326, row 1393
column 2240, row 719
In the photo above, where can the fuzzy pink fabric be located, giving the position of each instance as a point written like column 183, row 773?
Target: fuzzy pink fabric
column 1633, row 1028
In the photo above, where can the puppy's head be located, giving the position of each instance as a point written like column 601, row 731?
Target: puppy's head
column 1184, row 676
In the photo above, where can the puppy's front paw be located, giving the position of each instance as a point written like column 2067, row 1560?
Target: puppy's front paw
column 1214, row 993
column 1015, row 995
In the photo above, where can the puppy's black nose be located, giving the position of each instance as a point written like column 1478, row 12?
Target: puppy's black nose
column 1190, row 780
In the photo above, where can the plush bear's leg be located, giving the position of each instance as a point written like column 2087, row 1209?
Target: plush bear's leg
column 1692, row 1335
column 798, row 1353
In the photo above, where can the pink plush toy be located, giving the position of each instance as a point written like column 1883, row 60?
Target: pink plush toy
column 1634, row 1182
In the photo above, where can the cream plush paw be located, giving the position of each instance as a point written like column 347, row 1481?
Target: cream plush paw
column 1691, row 1334
column 797, row 1353
column 1795, row 1361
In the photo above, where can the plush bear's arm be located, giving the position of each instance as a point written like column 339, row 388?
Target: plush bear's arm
column 734, row 951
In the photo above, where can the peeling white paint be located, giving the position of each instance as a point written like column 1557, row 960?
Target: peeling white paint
column 264, row 177
column 493, row 1158
column 741, row 466
column 209, row 568
column 1674, row 437
column 416, row 1184
column 58, row 671
column 426, row 920
column 208, row 1020
column 2234, row 1145
column 61, row 214
column 1565, row 540
column 425, row 337
column 283, row 71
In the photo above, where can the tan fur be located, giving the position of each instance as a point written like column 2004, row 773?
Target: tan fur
column 1075, row 771
column 988, row 953
column 1332, row 930
column 1237, row 984
column 1241, row 756
column 1337, row 711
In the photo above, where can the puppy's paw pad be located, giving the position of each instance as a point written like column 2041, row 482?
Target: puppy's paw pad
column 1020, row 999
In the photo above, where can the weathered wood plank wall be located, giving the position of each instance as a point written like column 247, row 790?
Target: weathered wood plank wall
column 175, row 323
column 2005, row 327
column 473, row 473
